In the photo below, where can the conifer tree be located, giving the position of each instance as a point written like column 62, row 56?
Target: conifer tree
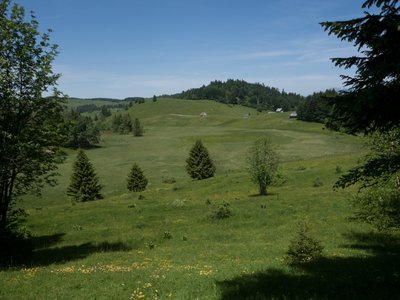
column 137, row 128
column 199, row 164
column 84, row 185
column 137, row 182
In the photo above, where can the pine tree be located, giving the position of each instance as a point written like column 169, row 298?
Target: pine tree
column 137, row 128
column 84, row 185
column 199, row 164
column 137, row 182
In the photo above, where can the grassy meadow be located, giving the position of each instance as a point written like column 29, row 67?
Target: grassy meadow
column 161, row 243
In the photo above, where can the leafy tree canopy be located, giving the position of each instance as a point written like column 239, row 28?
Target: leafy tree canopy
column 30, row 124
column 81, row 131
column 262, row 161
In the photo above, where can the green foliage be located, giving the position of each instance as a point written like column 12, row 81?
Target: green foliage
column 380, row 166
column 84, row 183
column 371, row 100
column 30, row 131
column 167, row 235
column 317, row 182
column 304, row 247
column 240, row 92
column 316, row 107
column 137, row 182
column 379, row 206
column 105, row 112
column 199, row 164
column 122, row 124
column 81, row 132
column 137, row 128
column 70, row 236
column 223, row 211
column 154, row 98
column 262, row 163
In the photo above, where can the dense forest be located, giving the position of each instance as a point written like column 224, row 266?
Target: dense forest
column 317, row 107
column 255, row 95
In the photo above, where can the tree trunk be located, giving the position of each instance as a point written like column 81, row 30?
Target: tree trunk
column 3, row 215
column 263, row 189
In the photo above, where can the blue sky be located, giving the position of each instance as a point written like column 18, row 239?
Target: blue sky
column 125, row 48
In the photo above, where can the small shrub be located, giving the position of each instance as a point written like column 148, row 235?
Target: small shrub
column 304, row 248
column 151, row 245
column 317, row 182
column 184, row 238
column 279, row 180
column 167, row 235
column 169, row 180
column 338, row 170
column 179, row 202
column 223, row 211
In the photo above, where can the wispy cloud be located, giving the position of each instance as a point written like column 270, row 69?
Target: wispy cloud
column 261, row 54
column 88, row 83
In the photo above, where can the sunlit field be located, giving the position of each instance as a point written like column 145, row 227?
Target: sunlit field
column 162, row 243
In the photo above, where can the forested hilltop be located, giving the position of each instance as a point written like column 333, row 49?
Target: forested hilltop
column 255, row 95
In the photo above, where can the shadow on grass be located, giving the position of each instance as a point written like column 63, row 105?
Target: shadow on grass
column 41, row 251
column 268, row 195
column 376, row 276
column 58, row 255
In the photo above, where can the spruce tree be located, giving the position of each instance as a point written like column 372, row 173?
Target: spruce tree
column 199, row 164
column 137, row 128
column 84, row 185
column 137, row 182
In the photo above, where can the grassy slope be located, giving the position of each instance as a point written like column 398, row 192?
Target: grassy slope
column 103, row 249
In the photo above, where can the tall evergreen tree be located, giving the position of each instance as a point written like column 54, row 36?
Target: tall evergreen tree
column 371, row 100
column 137, row 182
column 84, row 185
column 199, row 164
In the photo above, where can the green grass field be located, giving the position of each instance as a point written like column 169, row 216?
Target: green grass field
column 161, row 244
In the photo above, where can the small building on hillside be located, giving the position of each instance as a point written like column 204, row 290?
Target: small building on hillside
column 203, row 114
column 279, row 110
column 293, row 115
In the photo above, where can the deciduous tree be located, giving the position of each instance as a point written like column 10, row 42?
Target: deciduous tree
column 262, row 163
column 30, row 124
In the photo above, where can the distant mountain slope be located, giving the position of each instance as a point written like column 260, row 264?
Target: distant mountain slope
column 254, row 95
